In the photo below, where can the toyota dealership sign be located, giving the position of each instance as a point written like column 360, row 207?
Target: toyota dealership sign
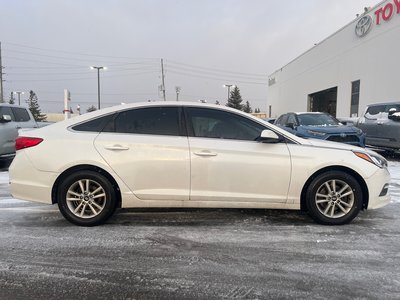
column 382, row 14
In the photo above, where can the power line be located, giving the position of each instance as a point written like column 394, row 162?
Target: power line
column 215, row 78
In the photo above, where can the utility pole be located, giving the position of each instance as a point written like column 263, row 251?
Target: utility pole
column 1, row 79
column 162, row 76
column 178, row 90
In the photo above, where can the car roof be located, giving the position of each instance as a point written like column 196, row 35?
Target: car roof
column 384, row 103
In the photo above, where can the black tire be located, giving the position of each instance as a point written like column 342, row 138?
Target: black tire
column 332, row 206
column 95, row 198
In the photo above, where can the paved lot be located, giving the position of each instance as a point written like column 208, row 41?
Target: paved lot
column 197, row 254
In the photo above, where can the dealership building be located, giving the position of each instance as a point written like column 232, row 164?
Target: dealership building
column 356, row 66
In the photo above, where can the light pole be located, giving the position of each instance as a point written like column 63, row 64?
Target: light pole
column 98, row 68
column 229, row 88
column 178, row 90
column 19, row 96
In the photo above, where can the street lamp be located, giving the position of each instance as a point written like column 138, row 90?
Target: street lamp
column 229, row 88
column 19, row 96
column 98, row 81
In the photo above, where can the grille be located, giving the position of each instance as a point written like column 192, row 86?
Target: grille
column 345, row 139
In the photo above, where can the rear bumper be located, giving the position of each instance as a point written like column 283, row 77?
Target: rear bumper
column 27, row 183
column 376, row 183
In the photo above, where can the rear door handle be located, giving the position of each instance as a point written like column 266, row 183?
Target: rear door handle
column 116, row 147
column 205, row 153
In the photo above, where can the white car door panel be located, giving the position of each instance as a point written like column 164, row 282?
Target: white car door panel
column 153, row 167
column 230, row 170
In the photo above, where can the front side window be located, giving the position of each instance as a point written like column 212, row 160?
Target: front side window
column 20, row 114
column 213, row 123
column 374, row 111
column 150, row 120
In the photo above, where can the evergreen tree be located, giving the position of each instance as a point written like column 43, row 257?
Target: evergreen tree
column 235, row 99
column 91, row 108
column 257, row 110
column 35, row 108
column 11, row 101
column 247, row 108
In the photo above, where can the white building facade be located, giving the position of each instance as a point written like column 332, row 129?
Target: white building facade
column 356, row 66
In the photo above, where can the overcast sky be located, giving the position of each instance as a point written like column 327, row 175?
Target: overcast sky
column 49, row 45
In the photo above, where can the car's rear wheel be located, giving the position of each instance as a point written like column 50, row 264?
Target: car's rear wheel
column 334, row 198
column 86, row 198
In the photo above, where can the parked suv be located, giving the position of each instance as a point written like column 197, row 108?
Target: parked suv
column 322, row 126
column 381, row 123
column 12, row 118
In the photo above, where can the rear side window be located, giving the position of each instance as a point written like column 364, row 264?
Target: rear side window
column 4, row 110
column 20, row 114
column 150, row 120
column 95, row 125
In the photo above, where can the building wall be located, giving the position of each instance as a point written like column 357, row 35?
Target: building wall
column 374, row 59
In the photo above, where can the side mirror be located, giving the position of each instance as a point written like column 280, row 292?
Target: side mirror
column 394, row 115
column 5, row 118
column 268, row 136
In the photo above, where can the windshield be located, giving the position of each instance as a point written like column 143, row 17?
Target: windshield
column 317, row 120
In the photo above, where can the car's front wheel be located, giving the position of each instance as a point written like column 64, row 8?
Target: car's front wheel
column 86, row 198
column 334, row 198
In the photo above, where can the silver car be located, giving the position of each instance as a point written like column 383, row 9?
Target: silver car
column 12, row 118
column 381, row 124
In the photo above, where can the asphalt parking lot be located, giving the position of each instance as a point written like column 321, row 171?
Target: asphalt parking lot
column 197, row 254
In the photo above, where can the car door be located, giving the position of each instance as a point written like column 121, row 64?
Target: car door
column 148, row 149
column 8, row 132
column 229, row 164
column 369, row 124
column 388, row 129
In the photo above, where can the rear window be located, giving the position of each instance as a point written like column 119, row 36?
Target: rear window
column 20, row 114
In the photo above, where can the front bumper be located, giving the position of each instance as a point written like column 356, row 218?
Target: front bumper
column 376, row 184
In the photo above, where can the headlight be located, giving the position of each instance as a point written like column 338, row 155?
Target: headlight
column 316, row 133
column 372, row 158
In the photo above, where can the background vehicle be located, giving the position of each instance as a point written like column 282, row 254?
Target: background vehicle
column 180, row 154
column 320, row 126
column 381, row 124
column 12, row 118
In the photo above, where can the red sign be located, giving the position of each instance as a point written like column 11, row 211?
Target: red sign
column 387, row 11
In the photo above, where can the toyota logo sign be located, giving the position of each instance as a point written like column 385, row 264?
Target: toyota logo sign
column 363, row 26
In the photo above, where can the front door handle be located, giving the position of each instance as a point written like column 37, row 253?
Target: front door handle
column 205, row 153
column 116, row 147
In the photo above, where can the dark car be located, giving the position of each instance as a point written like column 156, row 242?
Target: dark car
column 381, row 124
column 321, row 126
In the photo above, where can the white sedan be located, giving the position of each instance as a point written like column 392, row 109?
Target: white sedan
column 191, row 155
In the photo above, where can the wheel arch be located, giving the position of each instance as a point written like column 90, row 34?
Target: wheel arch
column 358, row 177
column 73, row 169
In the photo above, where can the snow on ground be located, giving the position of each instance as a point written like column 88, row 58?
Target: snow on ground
column 394, row 169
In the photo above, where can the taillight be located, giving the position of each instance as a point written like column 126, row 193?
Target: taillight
column 26, row 142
